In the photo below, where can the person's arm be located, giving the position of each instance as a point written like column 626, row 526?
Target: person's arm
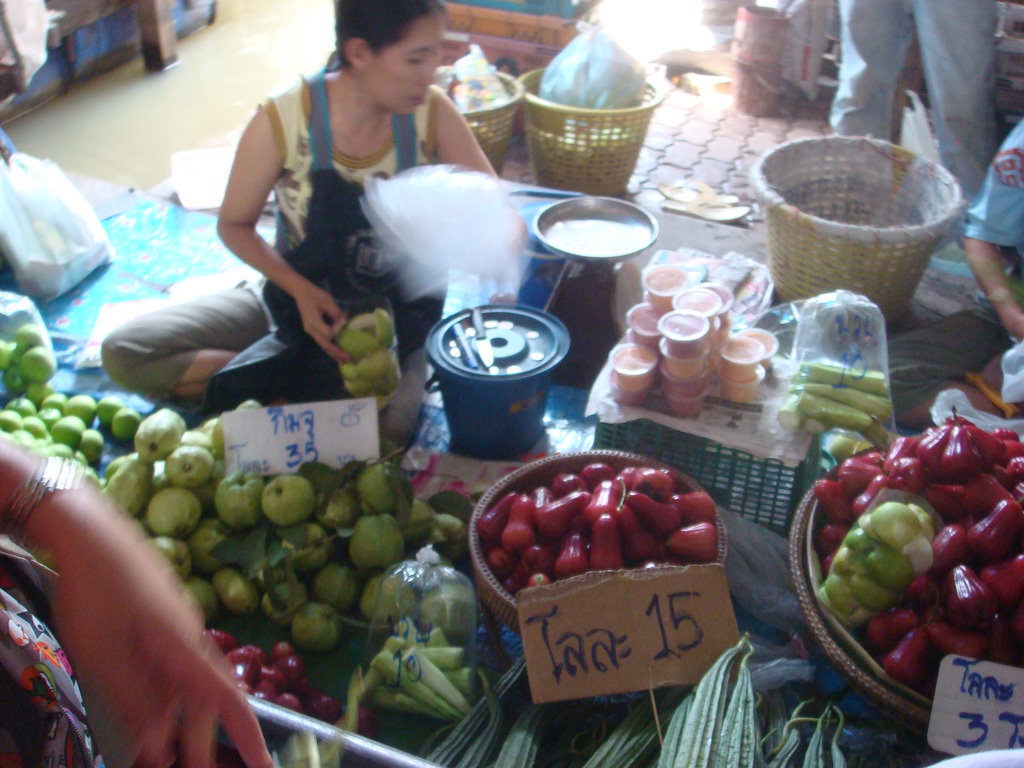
column 133, row 638
column 987, row 264
column 456, row 143
column 256, row 168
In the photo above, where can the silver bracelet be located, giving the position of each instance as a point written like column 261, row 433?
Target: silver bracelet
column 54, row 474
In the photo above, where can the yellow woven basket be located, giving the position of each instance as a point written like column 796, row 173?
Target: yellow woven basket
column 492, row 126
column 587, row 150
column 854, row 213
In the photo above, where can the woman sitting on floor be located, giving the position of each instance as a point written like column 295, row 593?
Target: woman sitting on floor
column 374, row 111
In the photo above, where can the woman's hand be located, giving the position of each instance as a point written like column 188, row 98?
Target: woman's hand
column 321, row 318
column 135, row 640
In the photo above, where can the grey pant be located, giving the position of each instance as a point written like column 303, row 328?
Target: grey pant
column 922, row 362
column 151, row 353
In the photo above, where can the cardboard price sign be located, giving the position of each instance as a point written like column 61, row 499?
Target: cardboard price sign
column 277, row 440
column 600, row 633
column 978, row 706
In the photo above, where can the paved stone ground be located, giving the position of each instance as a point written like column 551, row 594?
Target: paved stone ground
column 705, row 139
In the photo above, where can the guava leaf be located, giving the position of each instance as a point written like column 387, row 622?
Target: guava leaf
column 286, row 594
column 277, row 553
column 452, row 503
column 322, row 477
column 296, row 593
column 403, row 491
column 247, row 550
column 348, row 472
column 297, row 536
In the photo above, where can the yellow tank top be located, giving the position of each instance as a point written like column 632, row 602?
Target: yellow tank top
column 289, row 112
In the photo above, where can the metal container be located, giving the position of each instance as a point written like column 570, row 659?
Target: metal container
column 496, row 411
column 595, row 228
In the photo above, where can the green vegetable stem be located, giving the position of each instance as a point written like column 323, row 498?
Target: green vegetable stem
column 427, row 678
column 825, row 396
column 833, row 374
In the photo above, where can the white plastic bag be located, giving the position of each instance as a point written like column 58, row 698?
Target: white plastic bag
column 842, row 368
column 49, row 234
column 435, row 218
column 806, row 39
column 17, row 310
column 1013, row 373
column 594, row 72
column 916, row 133
column 949, row 400
column 477, row 84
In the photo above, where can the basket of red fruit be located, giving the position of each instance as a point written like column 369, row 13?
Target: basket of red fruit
column 903, row 556
column 574, row 513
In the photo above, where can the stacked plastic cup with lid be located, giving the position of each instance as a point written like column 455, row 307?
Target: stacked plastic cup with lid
column 643, row 325
column 682, row 334
column 633, row 372
column 686, row 365
column 661, row 283
column 725, row 313
column 709, row 303
column 768, row 341
column 739, row 368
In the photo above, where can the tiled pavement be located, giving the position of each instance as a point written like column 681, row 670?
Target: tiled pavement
column 703, row 138
column 706, row 139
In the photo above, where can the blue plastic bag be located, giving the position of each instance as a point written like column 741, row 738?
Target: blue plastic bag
column 594, row 72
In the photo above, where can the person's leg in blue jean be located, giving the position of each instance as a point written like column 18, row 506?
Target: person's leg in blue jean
column 874, row 36
column 958, row 53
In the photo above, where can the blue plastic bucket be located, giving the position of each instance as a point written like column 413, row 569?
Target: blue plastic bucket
column 496, row 412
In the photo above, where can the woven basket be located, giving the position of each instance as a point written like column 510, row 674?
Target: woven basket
column 541, row 472
column 492, row 126
column 853, row 213
column 586, row 150
column 841, row 648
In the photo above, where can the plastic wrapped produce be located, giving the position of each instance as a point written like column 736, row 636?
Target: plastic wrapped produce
column 420, row 654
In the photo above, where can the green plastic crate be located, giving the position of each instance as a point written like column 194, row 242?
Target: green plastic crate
column 766, row 491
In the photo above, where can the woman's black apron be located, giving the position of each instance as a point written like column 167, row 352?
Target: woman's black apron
column 339, row 255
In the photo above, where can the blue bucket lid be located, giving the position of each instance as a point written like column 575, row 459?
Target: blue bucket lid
column 524, row 341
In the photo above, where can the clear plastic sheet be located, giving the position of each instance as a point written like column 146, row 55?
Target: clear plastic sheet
column 433, row 219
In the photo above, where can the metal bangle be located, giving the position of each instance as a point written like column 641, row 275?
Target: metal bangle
column 54, row 474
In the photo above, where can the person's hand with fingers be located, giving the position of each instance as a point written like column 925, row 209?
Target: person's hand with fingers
column 134, row 639
column 321, row 318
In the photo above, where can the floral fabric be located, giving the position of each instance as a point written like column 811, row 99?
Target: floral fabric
column 31, row 656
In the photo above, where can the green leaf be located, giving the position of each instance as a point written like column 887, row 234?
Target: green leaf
column 247, row 550
column 452, row 503
column 297, row 536
column 277, row 553
column 295, row 593
column 322, row 477
column 403, row 491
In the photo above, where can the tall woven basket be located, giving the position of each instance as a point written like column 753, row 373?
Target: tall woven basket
column 853, row 213
column 492, row 126
column 587, row 150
